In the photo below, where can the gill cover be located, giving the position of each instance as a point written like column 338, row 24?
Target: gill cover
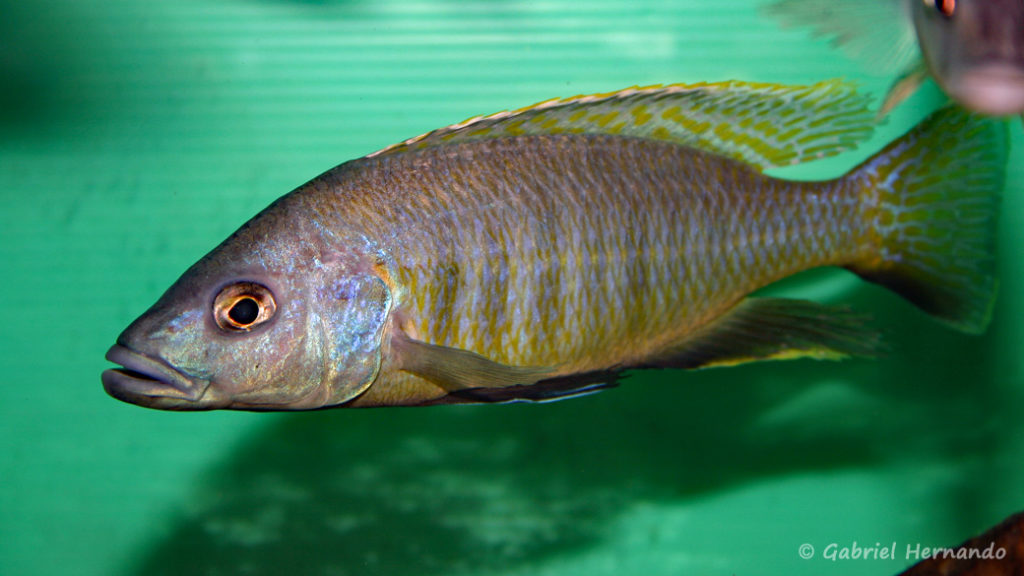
column 355, row 313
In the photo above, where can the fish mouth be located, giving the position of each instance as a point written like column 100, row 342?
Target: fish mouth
column 149, row 381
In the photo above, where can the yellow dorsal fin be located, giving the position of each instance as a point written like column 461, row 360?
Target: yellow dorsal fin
column 764, row 125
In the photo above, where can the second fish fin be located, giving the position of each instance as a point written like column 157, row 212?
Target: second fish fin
column 905, row 85
column 773, row 329
column 878, row 33
column 454, row 369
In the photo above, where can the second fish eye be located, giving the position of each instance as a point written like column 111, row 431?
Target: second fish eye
column 944, row 7
column 242, row 306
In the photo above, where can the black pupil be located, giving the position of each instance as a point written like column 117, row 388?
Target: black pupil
column 244, row 312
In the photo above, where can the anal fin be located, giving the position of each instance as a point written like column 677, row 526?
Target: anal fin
column 773, row 329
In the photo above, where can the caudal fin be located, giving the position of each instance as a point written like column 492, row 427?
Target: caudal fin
column 932, row 199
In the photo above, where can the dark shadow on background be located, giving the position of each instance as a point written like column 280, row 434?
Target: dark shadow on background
column 49, row 57
column 447, row 489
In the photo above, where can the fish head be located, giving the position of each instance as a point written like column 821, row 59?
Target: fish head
column 260, row 323
column 975, row 51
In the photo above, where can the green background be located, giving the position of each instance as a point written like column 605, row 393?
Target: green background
column 136, row 135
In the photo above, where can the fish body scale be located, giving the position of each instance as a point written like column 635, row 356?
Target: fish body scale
column 581, row 252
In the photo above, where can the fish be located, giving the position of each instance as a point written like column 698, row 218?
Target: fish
column 543, row 253
column 973, row 49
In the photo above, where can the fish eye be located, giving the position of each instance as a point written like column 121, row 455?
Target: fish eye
column 944, row 7
column 242, row 306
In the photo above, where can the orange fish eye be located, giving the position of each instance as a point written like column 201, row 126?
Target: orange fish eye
column 944, row 7
column 242, row 306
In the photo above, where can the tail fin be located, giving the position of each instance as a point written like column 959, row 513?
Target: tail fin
column 931, row 200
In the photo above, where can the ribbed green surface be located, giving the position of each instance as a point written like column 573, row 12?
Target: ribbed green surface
column 136, row 135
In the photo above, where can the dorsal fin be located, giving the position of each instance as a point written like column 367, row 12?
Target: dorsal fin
column 763, row 125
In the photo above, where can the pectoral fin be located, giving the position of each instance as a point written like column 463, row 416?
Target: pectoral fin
column 773, row 329
column 454, row 369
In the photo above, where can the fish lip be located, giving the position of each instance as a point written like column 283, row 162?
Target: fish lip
column 143, row 379
column 995, row 89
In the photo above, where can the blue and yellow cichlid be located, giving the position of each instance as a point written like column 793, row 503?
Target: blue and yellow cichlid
column 537, row 254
